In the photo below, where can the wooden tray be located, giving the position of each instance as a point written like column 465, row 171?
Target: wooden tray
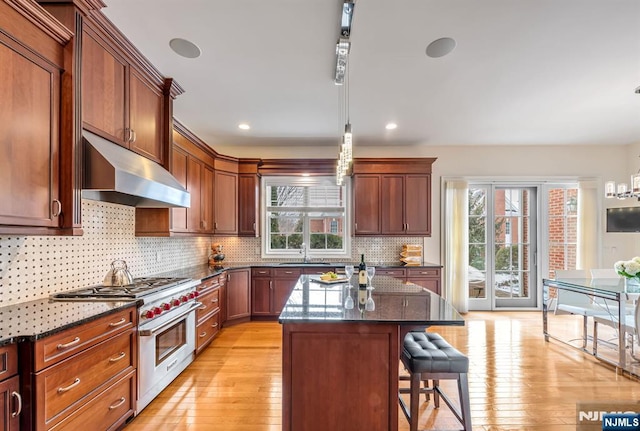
column 317, row 278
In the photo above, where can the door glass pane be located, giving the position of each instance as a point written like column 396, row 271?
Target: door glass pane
column 511, row 259
column 477, row 242
column 562, row 228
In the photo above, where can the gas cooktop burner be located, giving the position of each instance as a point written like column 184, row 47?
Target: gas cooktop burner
column 140, row 287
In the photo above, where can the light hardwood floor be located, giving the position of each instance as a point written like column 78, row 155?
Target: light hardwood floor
column 517, row 380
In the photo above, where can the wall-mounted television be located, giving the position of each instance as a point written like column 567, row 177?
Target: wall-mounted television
column 623, row 219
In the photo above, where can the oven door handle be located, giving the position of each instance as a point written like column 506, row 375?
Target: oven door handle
column 152, row 331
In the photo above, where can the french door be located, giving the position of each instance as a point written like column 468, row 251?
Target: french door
column 503, row 231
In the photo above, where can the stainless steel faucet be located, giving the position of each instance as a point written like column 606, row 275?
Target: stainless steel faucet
column 303, row 249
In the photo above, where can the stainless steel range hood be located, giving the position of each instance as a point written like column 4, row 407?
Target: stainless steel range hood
column 114, row 174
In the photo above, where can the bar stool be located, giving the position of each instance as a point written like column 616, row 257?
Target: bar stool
column 427, row 356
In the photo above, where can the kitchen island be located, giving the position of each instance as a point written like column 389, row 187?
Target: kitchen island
column 340, row 367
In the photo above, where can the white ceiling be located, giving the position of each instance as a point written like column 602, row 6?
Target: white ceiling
column 523, row 71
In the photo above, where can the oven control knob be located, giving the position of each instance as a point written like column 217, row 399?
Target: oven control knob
column 184, row 298
column 148, row 314
column 192, row 295
column 196, row 293
column 157, row 310
column 175, row 302
column 166, row 306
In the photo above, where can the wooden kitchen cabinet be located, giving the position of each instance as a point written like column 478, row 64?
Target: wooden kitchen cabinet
column 225, row 208
column 222, row 281
column 366, row 205
column 427, row 277
column 193, row 166
column 431, row 278
column 82, row 375
column 248, row 204
column 10, row 397
column 271, row 287
column 32, row 179
column 392, row 197
column 238, row 296
column 261, row 292
column 207, row 315
column 118, row 101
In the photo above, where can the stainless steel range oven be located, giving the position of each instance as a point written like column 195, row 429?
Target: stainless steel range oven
column 166, row 329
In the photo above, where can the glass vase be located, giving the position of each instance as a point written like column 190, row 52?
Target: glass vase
column 631, row 284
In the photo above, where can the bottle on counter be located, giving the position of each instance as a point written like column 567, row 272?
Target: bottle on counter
column 362, row 283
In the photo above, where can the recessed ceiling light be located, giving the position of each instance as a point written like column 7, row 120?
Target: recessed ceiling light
column 185, row 48
column 244, row 126
column 391, row 126
column 441, row 47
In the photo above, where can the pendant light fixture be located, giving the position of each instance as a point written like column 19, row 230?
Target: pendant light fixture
column 343, row 47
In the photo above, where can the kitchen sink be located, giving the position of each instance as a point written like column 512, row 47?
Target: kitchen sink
column 306, row 263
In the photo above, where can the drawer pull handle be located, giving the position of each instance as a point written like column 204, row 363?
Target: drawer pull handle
column 117, row 404
column 214, row 300
column 204, row 307
column 69, row 344
column 288, row 272
column 75, row 383
column 19, row 401
column 215, row 325
column 118, row 323
column 204, row 334
column 117, row 358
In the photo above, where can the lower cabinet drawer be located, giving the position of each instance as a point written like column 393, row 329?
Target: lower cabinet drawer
column 210, row 302
column 70, row 381
column 206, row 330
column 53, row 349
column 107, row 411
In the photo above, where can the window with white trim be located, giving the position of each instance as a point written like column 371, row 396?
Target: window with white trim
column 305, row 214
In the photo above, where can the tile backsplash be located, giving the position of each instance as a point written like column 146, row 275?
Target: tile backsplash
column 34, row 267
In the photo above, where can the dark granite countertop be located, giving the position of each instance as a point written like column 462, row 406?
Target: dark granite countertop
column 204, row 271
column 41, row 318
column 396, row 301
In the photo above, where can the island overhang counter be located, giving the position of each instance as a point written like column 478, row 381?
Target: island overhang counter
column 340, row 367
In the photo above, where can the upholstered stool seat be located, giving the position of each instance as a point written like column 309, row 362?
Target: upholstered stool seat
column 427, row 356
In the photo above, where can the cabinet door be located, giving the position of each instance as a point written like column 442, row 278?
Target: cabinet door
column 282, row 288
column 417, row 204
column 366, row 204
column 195, row 170
column 104, row 90
column 238, row 294
column 261, row 296
column 145, row 118
column 415, row 306
column 226, row 204
column 392, row 204
column 10, row 401
column 29, row 137
column 248, row 204
column 433, row 284
column 206, row 199
column 179, row 167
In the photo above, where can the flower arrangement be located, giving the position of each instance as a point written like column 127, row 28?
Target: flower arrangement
column 628, row 268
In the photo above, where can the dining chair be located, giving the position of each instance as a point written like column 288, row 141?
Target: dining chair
column 630, row 327
column 577, row 303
